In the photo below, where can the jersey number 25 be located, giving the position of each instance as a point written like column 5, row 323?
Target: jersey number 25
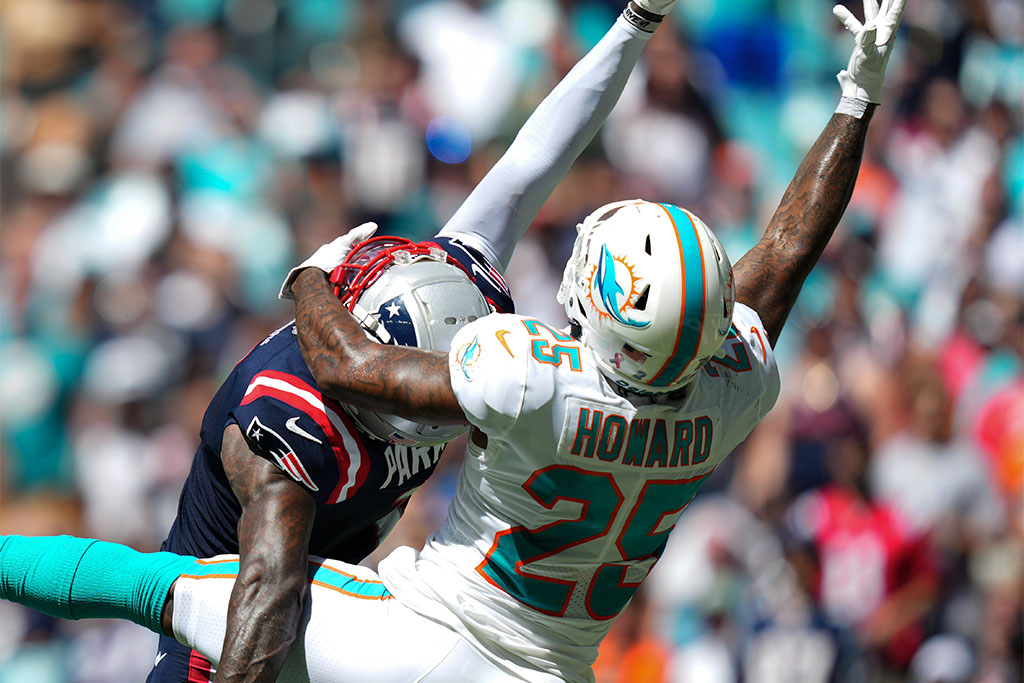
column 507, row 562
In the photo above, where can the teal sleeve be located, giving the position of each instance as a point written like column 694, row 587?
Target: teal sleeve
column 81, row 578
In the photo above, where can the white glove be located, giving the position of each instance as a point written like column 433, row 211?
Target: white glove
column 661, row 7
column 862, row 78
column 329, row 256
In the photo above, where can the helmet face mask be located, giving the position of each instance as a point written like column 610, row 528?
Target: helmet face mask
column 650, row 288
column 408, row 294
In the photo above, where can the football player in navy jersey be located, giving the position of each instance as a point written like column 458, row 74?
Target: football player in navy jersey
column 283, row 471
column 326, row 480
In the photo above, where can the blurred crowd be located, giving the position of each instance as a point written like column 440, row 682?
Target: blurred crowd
column 164, row 162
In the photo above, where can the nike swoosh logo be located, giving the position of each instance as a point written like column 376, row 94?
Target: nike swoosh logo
column 500, row 334
column 159, row 658
column 292, row 425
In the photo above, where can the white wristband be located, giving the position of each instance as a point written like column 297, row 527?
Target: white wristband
column 852, row 107
column 643, row 19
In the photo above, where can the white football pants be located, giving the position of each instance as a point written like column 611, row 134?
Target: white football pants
column 353, row 630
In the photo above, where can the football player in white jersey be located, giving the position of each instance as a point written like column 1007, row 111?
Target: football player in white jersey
column 587, row 443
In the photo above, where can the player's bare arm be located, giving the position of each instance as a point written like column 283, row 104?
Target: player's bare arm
column 351, row 368
column 267, row 600
column 769, row 276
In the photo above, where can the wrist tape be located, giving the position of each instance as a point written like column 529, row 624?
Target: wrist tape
column 641, row 18
column 852, row 107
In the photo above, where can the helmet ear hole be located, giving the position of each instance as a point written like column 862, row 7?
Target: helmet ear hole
column 641, row 303
column 647, row 244
column 718, row 254
column 579, row 307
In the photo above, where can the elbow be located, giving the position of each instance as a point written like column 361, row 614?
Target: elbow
column 356, row 378
column 339, row 367
column 329, row 381
column 331, row 373
column 340, row 382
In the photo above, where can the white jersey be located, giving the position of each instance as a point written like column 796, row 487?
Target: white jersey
column 560, row 517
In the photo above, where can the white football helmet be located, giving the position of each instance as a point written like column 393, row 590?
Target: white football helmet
column 408, row 294
column 649, row 290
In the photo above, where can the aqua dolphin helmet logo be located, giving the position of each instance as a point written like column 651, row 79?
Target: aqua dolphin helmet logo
column 612, row 298
column 467, row 356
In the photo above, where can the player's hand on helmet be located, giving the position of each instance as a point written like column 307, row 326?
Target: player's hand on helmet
column 862, row 78
column 329, row 256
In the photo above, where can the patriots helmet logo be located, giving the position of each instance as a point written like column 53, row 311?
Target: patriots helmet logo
column 613, row 286
column 395, row 318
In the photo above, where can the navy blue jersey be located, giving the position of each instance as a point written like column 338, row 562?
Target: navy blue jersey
column 485, row 276
column 360, row 483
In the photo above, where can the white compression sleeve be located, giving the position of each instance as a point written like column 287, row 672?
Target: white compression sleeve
column 502, row 206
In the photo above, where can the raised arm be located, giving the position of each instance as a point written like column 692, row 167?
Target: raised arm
column 769, row 276
column 266, row 603
column 351, row 368
column 505, row 202
column 497, row 212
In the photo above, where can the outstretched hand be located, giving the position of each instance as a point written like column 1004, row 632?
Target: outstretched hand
column 329, row 256
column 863, row 76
